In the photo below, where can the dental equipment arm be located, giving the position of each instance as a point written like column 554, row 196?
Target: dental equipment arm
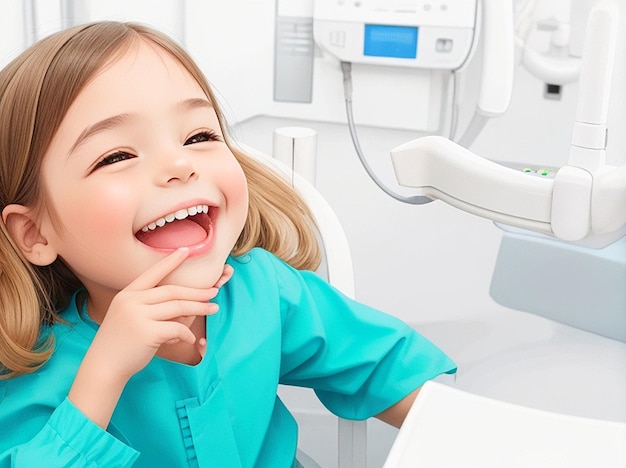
column 572, row 206
column 585, row 201
column 447, row 171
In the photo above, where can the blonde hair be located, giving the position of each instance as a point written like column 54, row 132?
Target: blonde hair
column 36, row 90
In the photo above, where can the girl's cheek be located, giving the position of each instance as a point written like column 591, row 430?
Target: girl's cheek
column 100, row 213
column 237, row 184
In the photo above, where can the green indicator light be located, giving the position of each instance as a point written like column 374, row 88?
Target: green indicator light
column 544, row 172
column 527, row 169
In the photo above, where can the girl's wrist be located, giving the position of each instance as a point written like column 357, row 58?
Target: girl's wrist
column 96, row 390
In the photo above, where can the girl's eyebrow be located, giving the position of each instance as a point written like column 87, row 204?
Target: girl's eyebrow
column 102, row 125
column 195, row 103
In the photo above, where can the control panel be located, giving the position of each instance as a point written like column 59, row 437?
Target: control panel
column 412, row 33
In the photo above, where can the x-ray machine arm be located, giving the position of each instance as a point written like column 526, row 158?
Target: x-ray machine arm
column 584, row 200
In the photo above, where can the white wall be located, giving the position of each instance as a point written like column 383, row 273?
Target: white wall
column 20, row 24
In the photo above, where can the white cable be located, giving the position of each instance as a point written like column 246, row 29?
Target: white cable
column 347, row 89
column 455, row 104
column 449, row 96
column 476, row 125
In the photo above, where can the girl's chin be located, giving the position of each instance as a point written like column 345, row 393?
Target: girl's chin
column 195, row 276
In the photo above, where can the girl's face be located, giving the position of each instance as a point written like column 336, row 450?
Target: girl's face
column 139, row 149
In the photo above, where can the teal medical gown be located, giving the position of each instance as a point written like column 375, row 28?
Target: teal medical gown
column 275, row 325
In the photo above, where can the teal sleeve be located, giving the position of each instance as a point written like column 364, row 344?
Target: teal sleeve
column 70, row 439
column 359, row 361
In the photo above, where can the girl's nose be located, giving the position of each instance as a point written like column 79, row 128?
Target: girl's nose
column 179, row 169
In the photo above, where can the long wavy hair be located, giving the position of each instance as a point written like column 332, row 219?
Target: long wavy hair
column 36, row 90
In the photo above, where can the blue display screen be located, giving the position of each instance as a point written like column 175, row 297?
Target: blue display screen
column 390, row 41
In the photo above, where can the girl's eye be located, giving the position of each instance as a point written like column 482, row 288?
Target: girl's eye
column 200, row 137
column 112, row 159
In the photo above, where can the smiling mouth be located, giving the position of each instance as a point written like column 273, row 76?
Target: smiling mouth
column 182, row 228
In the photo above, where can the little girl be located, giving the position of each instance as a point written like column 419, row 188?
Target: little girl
column 124, row 210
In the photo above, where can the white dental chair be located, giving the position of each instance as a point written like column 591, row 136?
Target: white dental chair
column 337, row 269
column 448, row 427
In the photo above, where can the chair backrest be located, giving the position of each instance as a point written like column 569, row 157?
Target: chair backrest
column 337, row 270
column 450, row 427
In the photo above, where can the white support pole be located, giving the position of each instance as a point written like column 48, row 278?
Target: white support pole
column 296, row 147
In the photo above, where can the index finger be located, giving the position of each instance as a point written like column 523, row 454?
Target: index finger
column 157, row 272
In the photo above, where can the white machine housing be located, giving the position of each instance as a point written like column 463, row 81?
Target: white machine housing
column 584, row 201
column 434, row 34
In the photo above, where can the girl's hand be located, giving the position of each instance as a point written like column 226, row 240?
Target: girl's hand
column 141, row 318
column 201, row 343
column 144, row 315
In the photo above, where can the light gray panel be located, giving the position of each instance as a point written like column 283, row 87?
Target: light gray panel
column 293, row 59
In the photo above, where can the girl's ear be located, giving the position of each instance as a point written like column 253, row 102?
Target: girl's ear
column 27, row 235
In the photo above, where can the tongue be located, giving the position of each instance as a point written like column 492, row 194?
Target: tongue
column 182, row 233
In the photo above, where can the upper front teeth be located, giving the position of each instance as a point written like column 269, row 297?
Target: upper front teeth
column 180, row 214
